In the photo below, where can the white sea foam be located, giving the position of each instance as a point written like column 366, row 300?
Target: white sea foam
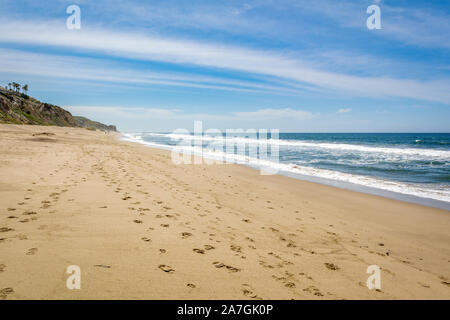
column 393, row 186
column 426, row 153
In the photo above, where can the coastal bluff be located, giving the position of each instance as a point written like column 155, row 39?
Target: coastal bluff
column 19, row 108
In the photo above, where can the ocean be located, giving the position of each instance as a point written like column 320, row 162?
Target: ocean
column 413, row 167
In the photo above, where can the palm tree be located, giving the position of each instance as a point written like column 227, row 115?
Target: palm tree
column 9, row 86
column 16, row 86
column 25, row 88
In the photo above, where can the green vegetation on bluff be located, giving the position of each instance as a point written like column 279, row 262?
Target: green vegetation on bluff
column 18, row 108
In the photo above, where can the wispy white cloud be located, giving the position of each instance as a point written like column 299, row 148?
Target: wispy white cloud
column 220, row 16
column 417, row 26
column 263, row 114
column 176, row 113
column 344, row 110
column 165, row 119
column 213, row 55
column 69, row 67
column 153, row 118
column 126, row 112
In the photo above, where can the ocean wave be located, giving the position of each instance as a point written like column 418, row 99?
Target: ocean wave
column 299, row 144
column 271, row 166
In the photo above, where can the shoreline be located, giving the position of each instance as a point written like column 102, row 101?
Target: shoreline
column 140, row 227
column 405, row 197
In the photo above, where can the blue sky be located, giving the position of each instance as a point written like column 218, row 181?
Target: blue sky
column 304, row 66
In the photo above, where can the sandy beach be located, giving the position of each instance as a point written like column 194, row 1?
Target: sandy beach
column 140, row 227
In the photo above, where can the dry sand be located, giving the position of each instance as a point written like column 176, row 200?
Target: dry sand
column 140, row 227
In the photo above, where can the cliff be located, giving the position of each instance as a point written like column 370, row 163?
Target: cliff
column 19, row 108
column 89, row 124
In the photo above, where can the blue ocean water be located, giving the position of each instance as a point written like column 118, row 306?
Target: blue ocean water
column 415, row 164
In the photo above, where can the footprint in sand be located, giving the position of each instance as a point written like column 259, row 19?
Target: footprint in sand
column 208, row 247
column 264, row 264
column 32, row 251
column 186, row 235
column 291, row 245
column 191, row 285
column 423, row 285
column 2, row 267
column 166, row 268
column 5, row 291
column 146, row 239
column 102, row 266
column 137, row 221
column 444, row 281
column 313, row 290
column 201, row 251
column 5, row 229
column 29, row 213
column 218, row 264
column 290, row 285
column 248, row 291
column 235, row 248
column 331, row 266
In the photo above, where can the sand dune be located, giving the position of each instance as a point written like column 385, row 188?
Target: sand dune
column 140, row 227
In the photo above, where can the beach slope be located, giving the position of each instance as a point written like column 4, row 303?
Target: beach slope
column 140, row 227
